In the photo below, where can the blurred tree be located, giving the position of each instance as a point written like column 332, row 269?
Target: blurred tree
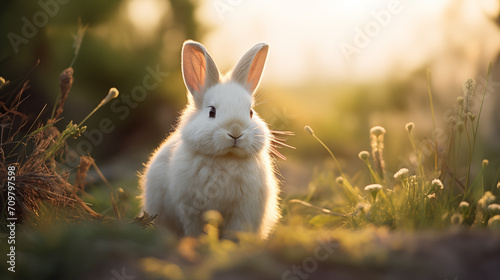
column 115, row 52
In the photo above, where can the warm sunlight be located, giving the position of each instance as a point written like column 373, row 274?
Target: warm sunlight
column 146, row 15
column 350, row 139
column 353, row 39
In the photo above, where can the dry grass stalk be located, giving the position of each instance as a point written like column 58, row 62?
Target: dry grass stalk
column 377, row 144
column 65, row 83
column 39, row 183
column 83, row 169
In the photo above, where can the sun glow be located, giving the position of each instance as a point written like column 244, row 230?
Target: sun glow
column 339, row 40
column 145, row 15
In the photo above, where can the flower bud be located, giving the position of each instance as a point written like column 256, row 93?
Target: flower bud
column 409, row 126
column 437, row 184
column 112, row 94
column 377, row 130
column 364, row 155
column 309, row 130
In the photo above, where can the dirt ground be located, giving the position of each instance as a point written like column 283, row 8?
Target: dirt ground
column 457, row 254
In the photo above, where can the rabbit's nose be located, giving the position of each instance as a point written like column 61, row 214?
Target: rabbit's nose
column 235, row 131
column 234, row 137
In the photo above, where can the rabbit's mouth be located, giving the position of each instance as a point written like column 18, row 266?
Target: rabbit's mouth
column 235, row 144
column 237, row 150
column 236, row 140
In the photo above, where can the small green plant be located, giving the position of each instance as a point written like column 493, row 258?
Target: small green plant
column 423, row 195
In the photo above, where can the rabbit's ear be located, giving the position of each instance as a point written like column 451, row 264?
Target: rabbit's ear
column 249, row 69
column 198, row 69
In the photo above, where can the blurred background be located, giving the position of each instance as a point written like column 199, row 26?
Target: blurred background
column 339, row 66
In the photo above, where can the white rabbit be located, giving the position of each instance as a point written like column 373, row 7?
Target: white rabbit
column 219, row 156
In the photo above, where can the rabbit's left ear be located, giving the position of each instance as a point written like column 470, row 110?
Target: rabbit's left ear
column 249, row 69
column 198, row 70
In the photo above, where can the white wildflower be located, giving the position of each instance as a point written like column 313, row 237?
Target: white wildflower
column 373, row 189
column 457, row 219
column 409, row 126
column 463, row 205
column 309, row 130
column 494, row 222
column 437, row 184
column 401, row 174
column 494, row 209
column 112, row 94
column 340, row 180
column 364, row 155
column 363, row 207
column 487, row 199
column 377, row 130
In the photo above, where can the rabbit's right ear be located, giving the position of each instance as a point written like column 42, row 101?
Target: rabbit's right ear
column 248, row 70
column 198, row 70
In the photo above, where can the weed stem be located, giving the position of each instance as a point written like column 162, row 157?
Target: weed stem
column 310, row 131
column 433, row 124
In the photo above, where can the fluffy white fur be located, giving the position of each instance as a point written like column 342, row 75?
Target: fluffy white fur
column 201, row 166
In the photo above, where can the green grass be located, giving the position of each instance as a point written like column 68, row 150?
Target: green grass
column 427, row 194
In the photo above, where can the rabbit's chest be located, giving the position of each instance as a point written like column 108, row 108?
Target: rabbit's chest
column 220, row 183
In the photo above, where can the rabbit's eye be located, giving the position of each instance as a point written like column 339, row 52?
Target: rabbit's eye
column 212, row 112
column 251, row 113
